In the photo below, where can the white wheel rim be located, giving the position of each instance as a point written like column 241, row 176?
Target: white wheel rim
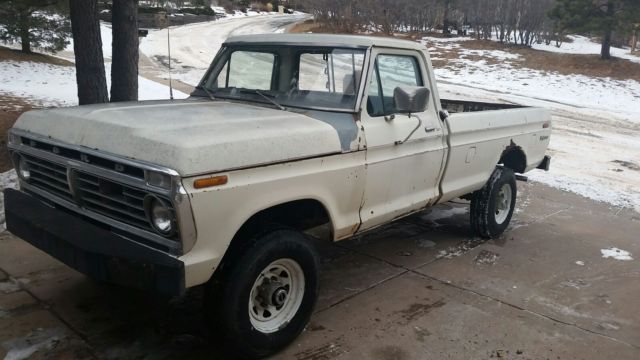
column 503, row 204
column 276, row 295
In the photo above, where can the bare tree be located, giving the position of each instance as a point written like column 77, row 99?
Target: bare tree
column 522, row 22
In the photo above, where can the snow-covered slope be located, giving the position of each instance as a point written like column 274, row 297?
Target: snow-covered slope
column 194, row 46
column 584, row 45
column 595, row 142
column 54, row 85
column 501, row 72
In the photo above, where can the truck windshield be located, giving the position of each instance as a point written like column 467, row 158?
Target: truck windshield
column 289, row 76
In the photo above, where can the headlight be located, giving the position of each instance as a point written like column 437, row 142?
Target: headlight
column 14, row 139
column 160, row 215
column 158, row 180
column 22, row 167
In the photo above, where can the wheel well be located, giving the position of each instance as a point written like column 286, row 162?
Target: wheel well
column 301, row 215
column 514, row 158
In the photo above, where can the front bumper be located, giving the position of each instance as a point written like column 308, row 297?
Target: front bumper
column 91, row 249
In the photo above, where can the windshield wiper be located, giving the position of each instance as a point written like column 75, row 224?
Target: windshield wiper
column 207, row 91
column 269, row 97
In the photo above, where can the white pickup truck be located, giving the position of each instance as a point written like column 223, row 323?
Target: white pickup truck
column 285, row 133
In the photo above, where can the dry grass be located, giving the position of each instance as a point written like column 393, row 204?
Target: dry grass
column 11, row 108
column 7, row 54
column 312, row 26
column 566, row 64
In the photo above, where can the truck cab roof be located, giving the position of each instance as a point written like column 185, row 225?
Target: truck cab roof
column 325, row 40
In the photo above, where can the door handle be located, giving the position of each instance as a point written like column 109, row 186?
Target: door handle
column 428, row 130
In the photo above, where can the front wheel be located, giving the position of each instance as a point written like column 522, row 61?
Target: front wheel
column 492, row 206
column 269, row 295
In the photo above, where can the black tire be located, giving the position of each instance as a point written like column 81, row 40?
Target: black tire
column 231, row 303
column 485, row 221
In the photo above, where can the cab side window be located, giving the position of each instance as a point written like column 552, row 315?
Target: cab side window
column 391, row 71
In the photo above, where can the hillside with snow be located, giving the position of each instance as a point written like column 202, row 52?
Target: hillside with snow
column 595, row 144
column 596, row 140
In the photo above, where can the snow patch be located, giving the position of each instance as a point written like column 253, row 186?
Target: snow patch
column 603, row 94
column 55, row 85
column 590, row 188
column 495, row 54
column 616, row 254
column 40, row 339
column 578, row 45
column 425, row 244
column 107, row 39
column 584, row 45
column 430, row 39
column 593, row 136
column 9, row 286
column 438, row 214
column 459, row 249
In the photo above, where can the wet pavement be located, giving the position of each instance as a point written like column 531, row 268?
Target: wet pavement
column 421, row 288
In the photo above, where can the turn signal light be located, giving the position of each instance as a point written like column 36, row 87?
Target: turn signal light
column 209, row 182
column 546, row 125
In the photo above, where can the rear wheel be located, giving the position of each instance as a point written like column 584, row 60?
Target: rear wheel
column 492, row 206
column 268, row 295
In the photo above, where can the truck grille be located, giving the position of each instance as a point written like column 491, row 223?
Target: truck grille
column 97, row 194
column 49, row 176
column 121, row 202
column 81, row 156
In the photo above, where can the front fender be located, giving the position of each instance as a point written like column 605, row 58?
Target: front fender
column 219, row 212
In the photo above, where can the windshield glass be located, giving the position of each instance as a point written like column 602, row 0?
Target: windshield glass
column 304, row 77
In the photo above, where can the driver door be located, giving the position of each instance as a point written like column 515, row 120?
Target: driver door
column 400, row 178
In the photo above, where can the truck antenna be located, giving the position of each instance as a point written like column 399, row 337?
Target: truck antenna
column 169, row 55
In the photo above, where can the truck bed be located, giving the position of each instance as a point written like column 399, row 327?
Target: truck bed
column 458, row 106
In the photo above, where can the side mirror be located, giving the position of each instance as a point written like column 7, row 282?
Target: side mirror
column 411, row 99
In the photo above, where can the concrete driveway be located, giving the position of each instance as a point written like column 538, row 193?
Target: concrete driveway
column 418, row 289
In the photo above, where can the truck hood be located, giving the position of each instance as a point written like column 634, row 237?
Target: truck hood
column 189, row 136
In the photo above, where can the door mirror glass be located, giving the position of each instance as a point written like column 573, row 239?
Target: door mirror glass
column 411, row 99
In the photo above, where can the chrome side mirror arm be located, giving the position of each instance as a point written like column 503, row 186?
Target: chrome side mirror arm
column 412, row 132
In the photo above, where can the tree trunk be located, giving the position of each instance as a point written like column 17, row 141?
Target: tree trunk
column 25, row 37
column 87, row 45
column 605, row 52
column 445, row 20
column 124, row 66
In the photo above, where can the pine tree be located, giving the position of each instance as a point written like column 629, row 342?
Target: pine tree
column 600, row 16
column 34, row 24
column 87, row 45
column 124, row 57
